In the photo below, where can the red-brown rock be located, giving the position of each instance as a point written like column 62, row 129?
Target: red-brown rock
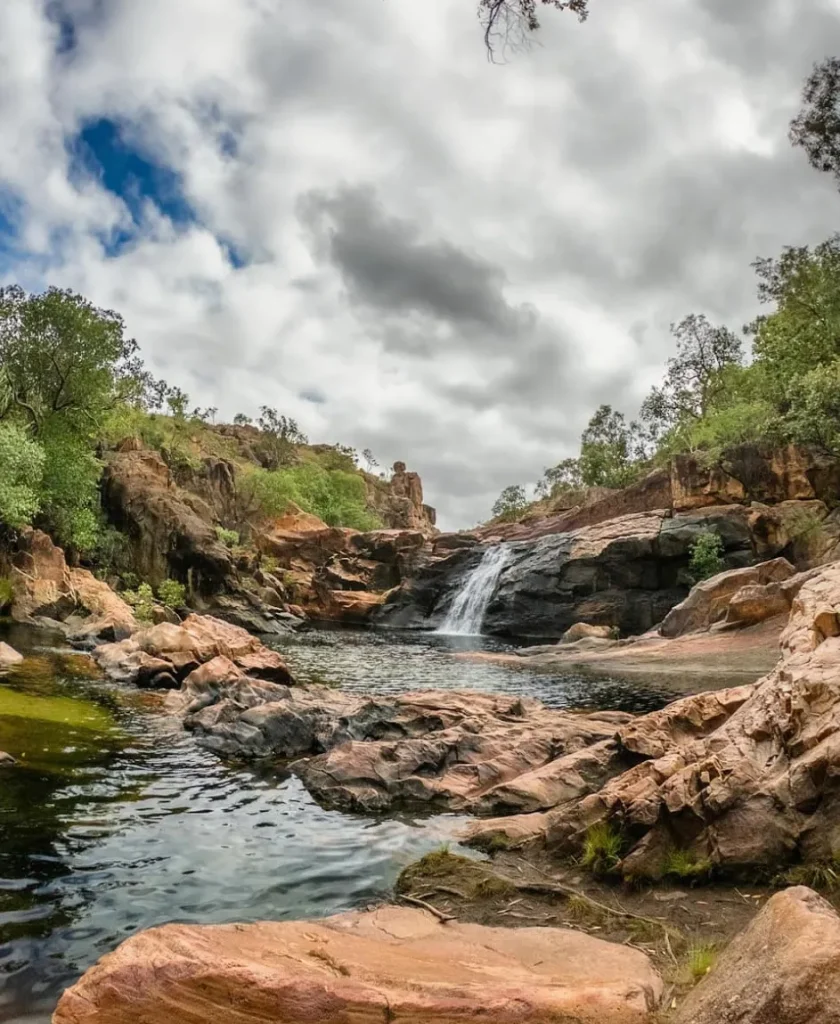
column 390, row 964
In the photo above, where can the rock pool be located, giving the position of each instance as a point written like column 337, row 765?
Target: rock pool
column 115, row 820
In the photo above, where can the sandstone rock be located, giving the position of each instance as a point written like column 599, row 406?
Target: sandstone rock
column 170, row 530
column 584, row 631
column 265, row 664
column 463, row 751
column 9, row 657
column 200, row 640
column 755, row 603
column 783, row 969
column 211, row 636
column 758, row 790
column 709, row 600
column 387, row 964
column 45, row 586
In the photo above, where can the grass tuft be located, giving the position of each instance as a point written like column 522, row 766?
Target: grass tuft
column 602, row 848
column 701, row 959
column 684, row 864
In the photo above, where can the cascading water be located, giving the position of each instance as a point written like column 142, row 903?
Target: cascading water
column 467, row 612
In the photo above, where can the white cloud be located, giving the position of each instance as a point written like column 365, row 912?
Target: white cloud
column 616, row 176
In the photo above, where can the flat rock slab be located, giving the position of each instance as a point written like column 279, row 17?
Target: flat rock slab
column 390, row 964
column 783, row 969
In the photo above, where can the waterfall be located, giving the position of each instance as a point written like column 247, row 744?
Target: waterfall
column 467, row 612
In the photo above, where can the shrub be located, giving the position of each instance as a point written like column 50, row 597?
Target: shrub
column 337, row 497
column 706, row 556
column 172, row 593
column 510, row 504
column 230, row 538
column 682, row 864
column 142, row 600
column 7, row 592
column 701, row 959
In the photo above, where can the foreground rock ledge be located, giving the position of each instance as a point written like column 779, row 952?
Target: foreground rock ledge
column 390, row 964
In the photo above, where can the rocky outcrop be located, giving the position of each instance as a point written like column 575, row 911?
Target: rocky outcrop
column 803, row 479
column 711, row 600
column 335, row 573
column 401, row 503
column 45, row 587
column 627, row 572
column 170, row 530
column 783, row 969
column 164, row 656
column 478, row 752
column 751, row 785
column 389, row 964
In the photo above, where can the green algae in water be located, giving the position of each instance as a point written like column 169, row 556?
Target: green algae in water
column 55, row 733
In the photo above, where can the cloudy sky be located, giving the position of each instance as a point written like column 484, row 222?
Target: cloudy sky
column 344, row 211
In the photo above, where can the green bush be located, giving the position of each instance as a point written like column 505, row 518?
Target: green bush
column 337, row 497
column 230, row 538
column 172, row 593
column 706, row 556
column 142, row 600
column 7, row 592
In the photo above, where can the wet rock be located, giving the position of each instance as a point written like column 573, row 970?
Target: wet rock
column 783, row 969
column 9, row 656
column 6, row 760
column 709, row 600
column 465, row 751
column 265, row 664
column 392, row 963
column 179, row 651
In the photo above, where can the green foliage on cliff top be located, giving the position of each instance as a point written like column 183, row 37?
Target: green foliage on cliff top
column 336, row 496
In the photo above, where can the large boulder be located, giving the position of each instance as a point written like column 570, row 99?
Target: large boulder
column 390, row 964
column 459, row 751
column 783, row 969
column 709, row 600
column 45, row 587
column 173, row 652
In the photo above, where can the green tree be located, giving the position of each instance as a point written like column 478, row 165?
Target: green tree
column 609, row 450
column 61, row 357
column 21, row 475
column 65, row 366
column 695, row 378
column 280, row 434
column 563, row 481
column 816, row 128
column 510, row 504
column 803, row 331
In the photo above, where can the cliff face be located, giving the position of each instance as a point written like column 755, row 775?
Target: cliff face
column 170, row 520
column 622, row 559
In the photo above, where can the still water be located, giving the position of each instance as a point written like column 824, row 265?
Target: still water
column 115, row 820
